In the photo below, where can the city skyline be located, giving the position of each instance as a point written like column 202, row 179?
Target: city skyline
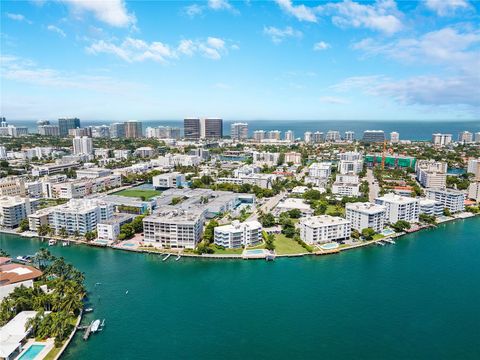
column 345, row 60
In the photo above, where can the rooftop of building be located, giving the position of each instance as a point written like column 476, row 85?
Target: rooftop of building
column 365, row 207
column 322, row 220
column 236, row 225
column 392, row 197
column 11, row 273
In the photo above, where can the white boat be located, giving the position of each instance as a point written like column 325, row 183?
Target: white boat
column 95, row 326
column 87, row 310
column 65, row 243
column 51, row 242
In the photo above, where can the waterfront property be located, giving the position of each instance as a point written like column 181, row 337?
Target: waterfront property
column 399, row 208
column 13, row 275
column 14, row 334
column 366, row 215
column 453, row 200
column 237, row 234
column 324, row 228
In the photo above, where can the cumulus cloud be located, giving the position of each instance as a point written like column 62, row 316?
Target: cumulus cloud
column 447, row 7
column 321, row 45
column 215, row 5
column 111, row 12
column 193, row 10
column 278, row 35
column 18, row 17
column 219, row 5
column 136, row 50
column 300, row 12
column 57, row 30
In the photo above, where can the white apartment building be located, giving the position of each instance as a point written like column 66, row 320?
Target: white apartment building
column 394, row 137
column 259, row 135
column 289, row 136
column 307, row 137
column 82, row 145
column 13, row 209
column 366, row 215
column 474, row 191
column 465, row 137
column 79, row 215
column 171, row 160
column 453, row 200
column 349, row 136
column 333, row 136
column 346, row 185
column 293, row 157
column 170, row 180
column 237, row 234
column 121, row 154
column 430, row 207
column 144, row 152
column 350, row 162
column 76, row 189
column 92, row 173
column 324, row 228
column 474, row 168
column 432, row 174
column 265, row 158
column 239, row 131
column 174, row 229
column 109, row 229
column 399, row 208
column 441, row 139
column 320, row 170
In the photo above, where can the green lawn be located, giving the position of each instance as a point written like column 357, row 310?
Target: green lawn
column 146, row 194
column 378, row 236
column 284, row 245
column 331, row 209
column 219, row 251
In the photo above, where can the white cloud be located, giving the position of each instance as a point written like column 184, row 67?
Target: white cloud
column 382, row 16
column 278, row 35
column 321, row 45
column 137, row 50
column 219, row 5
column 56, row 30
column 193, row 10
column 26, row 71
column 111, row 12
column 18, row 17
column 333, row 100
column 447, row 7
column 300, row 12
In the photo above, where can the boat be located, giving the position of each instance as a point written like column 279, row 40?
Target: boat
column 25, row 258
column 95, row 326
column 88, row 310
column 52, row 242
column 65, row 243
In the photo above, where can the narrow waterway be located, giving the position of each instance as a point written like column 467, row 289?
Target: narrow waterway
column 416, row 299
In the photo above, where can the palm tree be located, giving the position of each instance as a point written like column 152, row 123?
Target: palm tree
column 42, row 257
column 63, row 232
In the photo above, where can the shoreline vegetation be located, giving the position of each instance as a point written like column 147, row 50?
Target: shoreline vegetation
column 238, row 256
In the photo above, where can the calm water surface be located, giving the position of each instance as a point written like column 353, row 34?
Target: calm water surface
column 419, row 299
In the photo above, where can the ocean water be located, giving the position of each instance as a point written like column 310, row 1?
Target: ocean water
column 418, row 299
column 408, row 129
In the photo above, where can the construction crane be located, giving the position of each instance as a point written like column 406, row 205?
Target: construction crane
column 384, row 153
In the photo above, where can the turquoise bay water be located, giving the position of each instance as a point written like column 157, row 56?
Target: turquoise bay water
column 418, row 299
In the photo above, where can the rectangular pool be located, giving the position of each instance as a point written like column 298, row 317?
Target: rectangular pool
column 32, row 352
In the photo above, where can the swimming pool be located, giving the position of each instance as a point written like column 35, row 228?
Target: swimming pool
column 329, row 246
column 32, row 352
column 254, row 252
column 128, row 245
column 388, row 232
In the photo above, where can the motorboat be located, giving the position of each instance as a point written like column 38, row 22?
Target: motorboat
column 95, row 326
column 52, row 242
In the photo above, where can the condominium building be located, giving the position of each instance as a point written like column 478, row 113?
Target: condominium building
column 394, row 137
column 307, row 137
column 366, row 215
column 350, row 162
column 12, row 186
column 474, row 191
column 82, row 145
column 79, row 215
column 49, row 130
column 265, row 158
column 349, row 136
column 77, row 189
column 346, row 185
column 320, row 170
column 441, row 139
column 293, row 157
column 333, row 136
column 169, row 180
column 453, row 200
column 191, row 128
column 237, row 234
column 14, row 209
column 211, row 128
column 373, row 136
column 399, row 207
column 87, row 131
column 432, row 174
column 318, row 137
column 133, row 129
column 430, row 207
column 477, row 137
column 239, row 131
column 174, row 228
column 65, row 124
column 117, row 130
column 465, row 137
column 109, row 230
column 274, row 135
column 289, row 136
column 324, row 228
column 259, row 135
column 474, row 168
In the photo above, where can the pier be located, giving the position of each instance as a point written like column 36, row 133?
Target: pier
column 166, row 257
column 88, row 331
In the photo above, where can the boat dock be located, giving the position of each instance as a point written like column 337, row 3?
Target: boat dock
column 88, row 331
column 166, row 257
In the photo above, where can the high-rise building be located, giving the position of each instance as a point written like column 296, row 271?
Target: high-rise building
column 274, row 135
column 162, row 132
column 80, row 132
column 307, row 137
column 289, row 136
column 117, row 130
column 349, row 136
column 474, row 168
column 191, row 128
column 48, row 130
column 239, row 131
column 333, row 136
column 211, row 128
column 441, row 139
column 394, row 137
column 133, row 129
column 258, row 135
column 465, row 137
column 432, row 174
column 318, row 137
column 65, row 124
column 82, row 145
column 372, row 136
column 102, row 131
column 477, row 137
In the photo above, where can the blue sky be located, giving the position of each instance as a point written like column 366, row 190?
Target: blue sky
column 240, row 60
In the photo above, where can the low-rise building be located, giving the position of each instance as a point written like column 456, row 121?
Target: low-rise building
column 14, row 275
column 237, row 234
column 13, row 209
column 291, row 204
column 350, row 162
column 293, row 157
column 366, row 215
column 265, row 158
column 92, row 173
column 346, row 185
column 324, row 228
column 399, row 208
column 432, row 174
column 109, row 230
column 431, row 207
column 13, row 335
column 453, row 200
column 12, row 186
column 169, row 180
